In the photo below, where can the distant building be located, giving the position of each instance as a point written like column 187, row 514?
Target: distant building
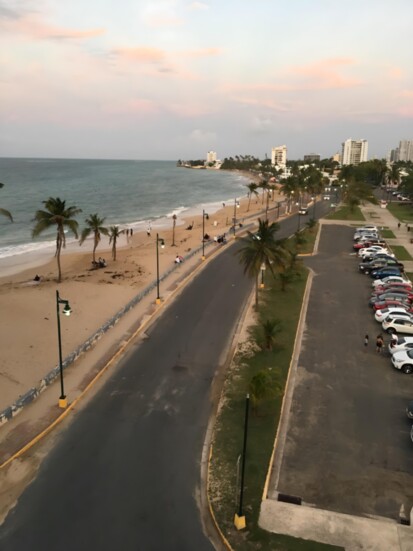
column 354, row 152
column 405, row 150
column 393, row 155
column 279, row 156
column 211, row 157
column 337, row 158
column 311, row 158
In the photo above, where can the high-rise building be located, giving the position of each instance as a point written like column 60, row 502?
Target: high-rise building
column 279, row 156
column 211, row 156
column 311, row 158
column 405, row 150
column 337, row 157
column 354, row 152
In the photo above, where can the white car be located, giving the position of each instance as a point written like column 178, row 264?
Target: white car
column 398, row 325
column 368, row 227
column 390, row 279
column 403, row 360
column 402, row 343
column 372, row 250
column 381, row 315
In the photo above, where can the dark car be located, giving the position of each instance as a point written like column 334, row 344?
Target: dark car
column 403, row 302
column 367, row 267
column 380, row 273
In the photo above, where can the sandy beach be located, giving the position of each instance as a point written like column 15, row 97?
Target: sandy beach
column 28, row 328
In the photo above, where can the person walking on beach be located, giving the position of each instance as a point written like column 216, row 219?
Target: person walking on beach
column 148, row 230
column 379, row 343
column 366, row 341
column 398, row 226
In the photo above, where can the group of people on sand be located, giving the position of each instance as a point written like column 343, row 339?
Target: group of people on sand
column 100, row 263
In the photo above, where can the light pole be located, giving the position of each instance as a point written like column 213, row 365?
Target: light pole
column 235, row 216
column 162, row 242
column 239, row 519
column 262, row 275
column 66, row 311
column 203, row 234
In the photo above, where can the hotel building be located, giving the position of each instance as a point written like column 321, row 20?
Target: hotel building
column 354, row 152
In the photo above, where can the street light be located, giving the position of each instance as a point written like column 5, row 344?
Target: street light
column 239, row 519
column 203, row 234
column 236, row 206
column 262, row 275
column 66, row 311
column 162, row 242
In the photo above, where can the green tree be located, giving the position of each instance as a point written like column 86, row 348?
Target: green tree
column 269, row 330
column 5, row 212
column 252, row 190
column 94, row 225
column 56, row 214
column 114, row 234
column 262, row 248
column 262, row 386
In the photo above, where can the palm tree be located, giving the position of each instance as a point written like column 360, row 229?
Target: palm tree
column 114, row 233
column 56, row 213
column 262, row 386
column 5, row 212
column 394, row 175
column 270, row 329
column 252, row 187
column 289, row 188
column 262, row 248
column 95, row 226
column 264, row 186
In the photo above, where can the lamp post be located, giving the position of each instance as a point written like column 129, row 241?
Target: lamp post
column 162, row 242
column 299, row 215
column 66, row 311
column 235, row 216
column 239, row 519
column 262, row 275
column 203, row 234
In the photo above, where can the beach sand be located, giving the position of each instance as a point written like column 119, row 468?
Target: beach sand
column 28, row 327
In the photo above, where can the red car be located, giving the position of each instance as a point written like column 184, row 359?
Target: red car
column 406, row 303
column 357, row 246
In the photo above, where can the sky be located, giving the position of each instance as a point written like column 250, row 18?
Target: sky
column 173, row 79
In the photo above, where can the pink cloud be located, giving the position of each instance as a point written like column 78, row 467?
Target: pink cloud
column 395, row 72
column 323, row 74
column 406, row 94
column 137, row 106
column 141, row 54
column 203, row 52
column 33, row 27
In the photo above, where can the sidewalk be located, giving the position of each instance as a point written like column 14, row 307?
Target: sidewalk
column 306, row 521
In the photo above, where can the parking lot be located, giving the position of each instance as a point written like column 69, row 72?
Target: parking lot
column 348, row 446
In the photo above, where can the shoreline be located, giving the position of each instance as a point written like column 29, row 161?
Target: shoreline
column 28, row 331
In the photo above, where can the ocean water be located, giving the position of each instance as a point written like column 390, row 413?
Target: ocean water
column 125, row 193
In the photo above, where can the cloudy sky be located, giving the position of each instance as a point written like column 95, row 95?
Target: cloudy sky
column 169, row 79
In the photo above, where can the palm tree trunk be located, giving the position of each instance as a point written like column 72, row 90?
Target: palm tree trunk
column 59, row 270
column 256, row 290
column 114, row 249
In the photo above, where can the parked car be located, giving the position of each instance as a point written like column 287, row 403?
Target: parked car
column 384, row 272
column 400, row 343
column 389, row 303
column 357, row 245
column 409, row 410
column 365, row 236
column 368, row 267
column 403, row 361
column 391, row 279
column 398, row 325
column 371, row 251
column 393, row 285
column 390, row 296
column 399, row 290
column 382, row 315
column 368, row 227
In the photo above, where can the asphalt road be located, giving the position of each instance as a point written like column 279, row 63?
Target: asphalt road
column 348, row 447
column 126, row 473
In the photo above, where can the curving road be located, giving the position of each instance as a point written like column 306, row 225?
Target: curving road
column 126, row 473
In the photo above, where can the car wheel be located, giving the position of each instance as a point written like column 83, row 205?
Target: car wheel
column 407, row 369
column 391, row 331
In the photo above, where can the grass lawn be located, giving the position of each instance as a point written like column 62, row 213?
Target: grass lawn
column 249, row 360
column 387, row 234
column 401, row 252
column 409, row 275
column 402, row 212
column 344, row 213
